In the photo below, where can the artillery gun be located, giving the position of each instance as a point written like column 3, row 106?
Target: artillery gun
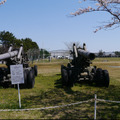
column 79, row 69
column 15, row 57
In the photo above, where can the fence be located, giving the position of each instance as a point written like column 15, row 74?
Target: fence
column 53, row 107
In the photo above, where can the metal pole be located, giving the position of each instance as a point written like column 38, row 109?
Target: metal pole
column 43, row 50
column 43, row 55
column 95, row 107
column 19, row 96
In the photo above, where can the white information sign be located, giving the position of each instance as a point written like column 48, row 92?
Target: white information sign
column 17, row 76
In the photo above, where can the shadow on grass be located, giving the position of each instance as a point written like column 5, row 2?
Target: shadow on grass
column 87, row 83
column 108, row 110
column 72, row 112
column 55, row 97
column 62, row 95
column 112, row 91
column 58, row 84
column 51, row 97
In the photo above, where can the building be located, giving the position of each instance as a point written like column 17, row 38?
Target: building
column 60, row 54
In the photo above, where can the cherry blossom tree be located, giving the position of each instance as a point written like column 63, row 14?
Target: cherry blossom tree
column 2, row 2
column 110, row 6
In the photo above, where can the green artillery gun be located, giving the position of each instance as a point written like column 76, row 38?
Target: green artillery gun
column 79, row 69
column 15, row 57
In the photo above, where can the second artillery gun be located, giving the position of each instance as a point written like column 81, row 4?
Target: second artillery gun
column 79, row 69
column 15, row 57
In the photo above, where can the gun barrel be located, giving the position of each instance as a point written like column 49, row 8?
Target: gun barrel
column 8, row 55
column 75, row 51
column 20, row 52
column 86, row 54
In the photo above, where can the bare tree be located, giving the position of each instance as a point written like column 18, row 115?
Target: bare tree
column 2, row 2
column 110, row 6
column 69, row 45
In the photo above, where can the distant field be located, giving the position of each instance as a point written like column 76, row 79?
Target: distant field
column 48, row 91
column 108, row 59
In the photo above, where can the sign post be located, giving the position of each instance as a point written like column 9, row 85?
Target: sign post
column 19, row 96
column 95, row 107
column 17, row 77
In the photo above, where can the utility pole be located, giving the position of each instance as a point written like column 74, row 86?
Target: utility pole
column 43, row 50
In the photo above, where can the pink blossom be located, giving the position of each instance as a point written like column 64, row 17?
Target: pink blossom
column 110, row 6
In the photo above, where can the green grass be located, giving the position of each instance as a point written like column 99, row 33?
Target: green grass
column 48, row 91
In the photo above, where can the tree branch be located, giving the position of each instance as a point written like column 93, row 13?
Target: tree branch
column 2, row 2
column 110, row 6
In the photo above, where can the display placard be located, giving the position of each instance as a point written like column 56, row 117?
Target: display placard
column 17, row 76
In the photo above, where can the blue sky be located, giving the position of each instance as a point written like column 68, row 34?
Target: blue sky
column 47, row 22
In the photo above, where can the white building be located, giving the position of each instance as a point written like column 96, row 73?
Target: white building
column 60, row 53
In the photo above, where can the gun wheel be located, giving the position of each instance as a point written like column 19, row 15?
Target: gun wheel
column 64, row 75
column 35, row 70
column 25, row 78
column 99, row 77
column 31, row 79
column 70, row 78
column 106, row 78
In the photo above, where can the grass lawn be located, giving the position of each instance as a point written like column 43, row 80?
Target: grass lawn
column 48, row 91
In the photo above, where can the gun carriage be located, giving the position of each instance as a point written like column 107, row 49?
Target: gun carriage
column 79, row 69
column 15, row 57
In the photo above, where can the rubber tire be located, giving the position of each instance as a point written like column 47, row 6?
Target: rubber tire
column 99, row 77
column 1, row 74
column 62, row 67
column 25, row 78
column 64, row 77
column 69, row 65
column 70, row 78
column 35, row 70
column 106, row 78
column 31, row 79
